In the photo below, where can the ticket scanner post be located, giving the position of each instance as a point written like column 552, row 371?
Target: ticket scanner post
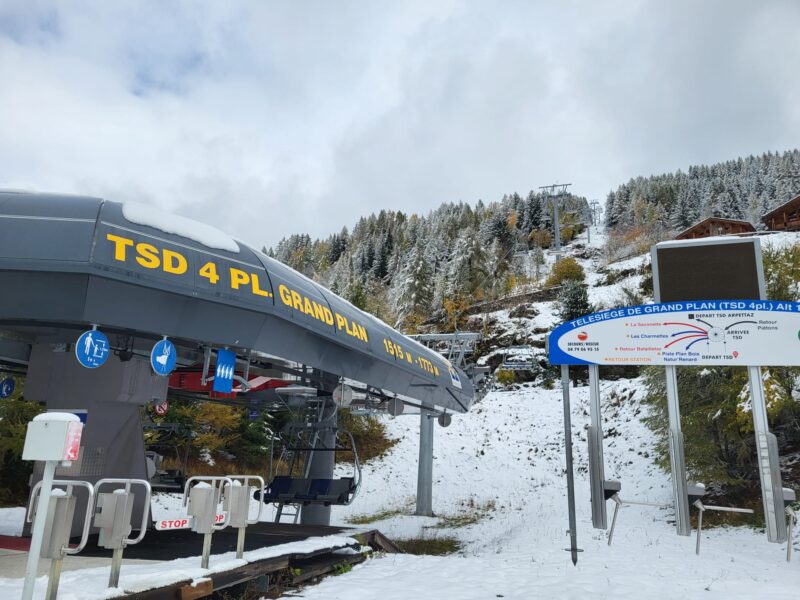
column 236, row 502
column 201, row 501
column 113, row 518
column 55, row 439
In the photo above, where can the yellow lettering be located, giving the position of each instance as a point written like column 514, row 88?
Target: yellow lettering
column 319, row 314
column 328, row 315
column 120, row 243
column 174, row 262
column 362, row 333
column 307, row 308
column 297, row 301
column 340, row 321
column 285, row 295
column 238, row 278
column 148, row 256
column 209, row 271
column 256, row 289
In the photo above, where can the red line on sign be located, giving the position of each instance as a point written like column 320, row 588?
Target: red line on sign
column 686, row 337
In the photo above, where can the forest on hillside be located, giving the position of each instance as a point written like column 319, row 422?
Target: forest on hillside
column 407, row 268
column 659, row 206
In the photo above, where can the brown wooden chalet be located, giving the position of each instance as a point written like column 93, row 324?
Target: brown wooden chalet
column 784, row 218
column 715, row 226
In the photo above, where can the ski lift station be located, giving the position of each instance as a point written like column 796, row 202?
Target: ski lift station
column 112, row 307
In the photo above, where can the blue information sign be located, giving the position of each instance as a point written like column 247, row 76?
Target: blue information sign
column 223, row 375
column 163, row 357
column 92, row 349
column 6, row 387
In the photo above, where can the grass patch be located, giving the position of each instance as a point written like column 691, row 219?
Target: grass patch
column 454, row 521
column 370, row 435
column 378, row 516
column 472, row 513
column 431, row 546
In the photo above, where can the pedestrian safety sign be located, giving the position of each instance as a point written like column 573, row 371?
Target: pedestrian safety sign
column 92, row 349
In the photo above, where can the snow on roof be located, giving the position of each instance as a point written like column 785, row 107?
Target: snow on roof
column 56, row 416
column 150, row 216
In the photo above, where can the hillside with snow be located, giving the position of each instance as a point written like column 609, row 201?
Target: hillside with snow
column 500, row 490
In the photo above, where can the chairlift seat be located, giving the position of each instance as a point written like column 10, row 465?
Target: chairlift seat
column 279, row 485
column 317, row 487
column 298, row 487
column 338, row 492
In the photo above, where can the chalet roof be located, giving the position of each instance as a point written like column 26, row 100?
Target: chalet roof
column 793, row 203
column 746, row 224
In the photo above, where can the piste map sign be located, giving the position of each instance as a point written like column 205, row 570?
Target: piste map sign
column 700, row 332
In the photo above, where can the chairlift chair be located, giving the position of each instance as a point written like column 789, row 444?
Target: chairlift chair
column 304, row 491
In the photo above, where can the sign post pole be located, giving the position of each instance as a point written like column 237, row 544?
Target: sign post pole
column 595, row 439
column 677, row 459
column 573, row 534
column 768, row 462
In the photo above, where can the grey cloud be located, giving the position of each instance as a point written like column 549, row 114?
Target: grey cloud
column 272, row 118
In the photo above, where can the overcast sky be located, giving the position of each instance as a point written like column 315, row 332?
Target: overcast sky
column 271, row 118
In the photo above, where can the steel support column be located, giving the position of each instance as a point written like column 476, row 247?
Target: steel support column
column 322, row 466
column 573, row 533
column 425, row 469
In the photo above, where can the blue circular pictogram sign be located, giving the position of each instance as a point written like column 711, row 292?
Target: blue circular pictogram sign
column 6, row 387
column 92, row 349
column 163, row 357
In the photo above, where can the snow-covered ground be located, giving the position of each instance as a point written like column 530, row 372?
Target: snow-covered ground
column 503, row 463
column 11, row 521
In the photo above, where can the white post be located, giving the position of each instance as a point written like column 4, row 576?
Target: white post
column 53, row 438
column 676, row 456
column 37, row 533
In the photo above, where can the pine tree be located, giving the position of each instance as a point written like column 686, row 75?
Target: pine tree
column 573, row 301
column 413, row 291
